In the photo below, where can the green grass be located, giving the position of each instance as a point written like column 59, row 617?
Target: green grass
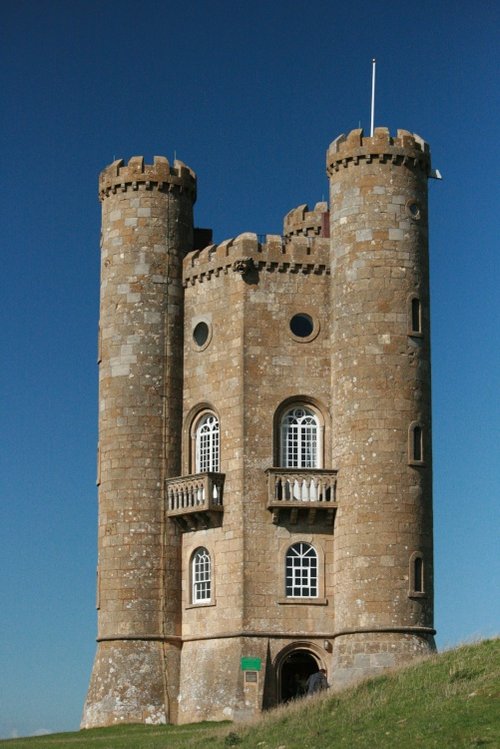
column 445, row 702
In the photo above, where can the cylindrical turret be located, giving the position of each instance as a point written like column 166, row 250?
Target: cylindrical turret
column 381, row 400
column 147, row 227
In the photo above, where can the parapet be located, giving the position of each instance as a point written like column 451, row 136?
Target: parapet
column 301, row 221
column 245, row 255
column 160, row 176
column 406, row 148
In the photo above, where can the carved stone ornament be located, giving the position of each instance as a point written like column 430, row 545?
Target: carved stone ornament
column 243, row 265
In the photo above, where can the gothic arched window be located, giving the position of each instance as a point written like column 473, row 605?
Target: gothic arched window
column 417, row 574
column 201, row 576
column 300, row 438
column 416, row 443
column 301, row 571
column 207, row 444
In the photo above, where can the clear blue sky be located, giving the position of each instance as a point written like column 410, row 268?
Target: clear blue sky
column 249, row 95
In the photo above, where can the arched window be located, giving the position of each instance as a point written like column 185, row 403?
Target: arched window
column 300, row 438
column 301, row 571
column 207, row 444
column 201, row 576
column 417, row 570
column 418, row 574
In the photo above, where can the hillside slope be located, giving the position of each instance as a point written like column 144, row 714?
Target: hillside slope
column 449, row 701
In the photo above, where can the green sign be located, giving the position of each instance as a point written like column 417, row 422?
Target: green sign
column 251, row 664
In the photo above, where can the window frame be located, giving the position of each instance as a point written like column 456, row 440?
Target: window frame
column 201, row 577
column 300, row 571
column 416, row 444
column 301, row 438
column 415, row 315
column 212, row 461
column 417, row 562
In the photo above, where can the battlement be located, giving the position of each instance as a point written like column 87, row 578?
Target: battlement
column 301, row 221
column 160, row 175
column 406, row 148
column 244, row 254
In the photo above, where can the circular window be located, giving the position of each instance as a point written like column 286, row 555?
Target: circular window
column 200, row 333
column 302, row 325
column 413, row 209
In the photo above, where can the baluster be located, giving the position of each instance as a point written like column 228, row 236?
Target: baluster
column 296, row 489
column 313, row 494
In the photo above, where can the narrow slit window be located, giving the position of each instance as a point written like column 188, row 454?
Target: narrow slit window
column 418, row 575
column 417, row 444
column 415, row 315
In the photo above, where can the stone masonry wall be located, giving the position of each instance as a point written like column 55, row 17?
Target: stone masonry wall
column 247, row 293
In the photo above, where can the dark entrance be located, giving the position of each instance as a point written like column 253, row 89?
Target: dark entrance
column 295, row 671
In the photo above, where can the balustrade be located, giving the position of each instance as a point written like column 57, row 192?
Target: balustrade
column 199, row 495
column 294, row 490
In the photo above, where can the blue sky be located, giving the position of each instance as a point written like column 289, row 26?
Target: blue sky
column 249, row 95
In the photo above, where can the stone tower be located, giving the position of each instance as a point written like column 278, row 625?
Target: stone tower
column 265, row 459
column 381, row 402
column 147, row 225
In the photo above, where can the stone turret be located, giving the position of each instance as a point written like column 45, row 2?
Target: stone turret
column 381, row 403
column 147, row 227
column 301, row 221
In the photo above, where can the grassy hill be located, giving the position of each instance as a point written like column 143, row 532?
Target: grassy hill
column 449, row 701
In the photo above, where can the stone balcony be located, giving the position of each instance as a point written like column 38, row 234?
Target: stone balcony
column 298, row 494
column 195, row 501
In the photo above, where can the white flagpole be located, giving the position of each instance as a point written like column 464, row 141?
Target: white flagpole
column 374, row 64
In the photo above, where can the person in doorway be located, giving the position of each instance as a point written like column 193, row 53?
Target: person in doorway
column 317, row 682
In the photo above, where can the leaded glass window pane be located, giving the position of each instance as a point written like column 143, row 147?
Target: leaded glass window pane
column 301, row 571
column 299, row 439
column 201, row 576
column 207, row 445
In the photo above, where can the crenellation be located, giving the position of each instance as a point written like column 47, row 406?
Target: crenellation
column 301, row 221
column 406, row 149
column 137, row 175
column 243, row 253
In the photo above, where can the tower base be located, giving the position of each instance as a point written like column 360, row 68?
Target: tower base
column 129, row 684
column 362, row 654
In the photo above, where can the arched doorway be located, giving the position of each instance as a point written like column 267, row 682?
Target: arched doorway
column 295, row 670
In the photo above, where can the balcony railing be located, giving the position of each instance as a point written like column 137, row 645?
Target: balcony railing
column 195, row 501
column 293, row 491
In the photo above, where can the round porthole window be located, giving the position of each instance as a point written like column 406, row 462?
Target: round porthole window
column 201, row 333
column 302, row 325
column 413, row 209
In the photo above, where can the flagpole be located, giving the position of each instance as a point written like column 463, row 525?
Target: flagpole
column 374, row 63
